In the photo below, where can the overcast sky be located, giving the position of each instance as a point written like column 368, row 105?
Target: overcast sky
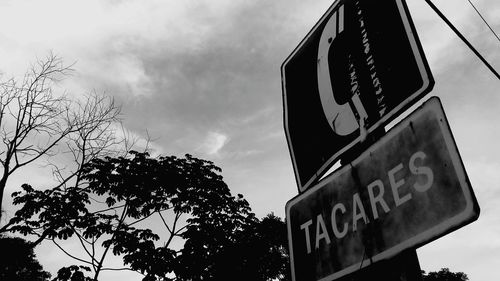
column 203, row 77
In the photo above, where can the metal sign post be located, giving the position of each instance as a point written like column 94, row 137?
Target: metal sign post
column 403, row 267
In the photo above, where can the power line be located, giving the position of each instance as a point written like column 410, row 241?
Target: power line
column 443, row 17
column 484, row 20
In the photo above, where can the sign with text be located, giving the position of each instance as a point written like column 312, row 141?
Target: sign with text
column 404, row 191
column 358, row 67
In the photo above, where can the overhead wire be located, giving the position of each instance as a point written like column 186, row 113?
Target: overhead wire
column 450, row 25
column 484, row 20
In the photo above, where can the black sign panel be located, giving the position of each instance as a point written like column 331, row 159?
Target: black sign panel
column 409, row 188
column 359, row 67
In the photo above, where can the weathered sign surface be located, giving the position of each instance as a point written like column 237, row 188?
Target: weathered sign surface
column 358, row 67
column 406, row 190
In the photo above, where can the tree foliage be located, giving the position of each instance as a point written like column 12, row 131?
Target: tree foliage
column 444, row 275
column 18, row 261
column 257, row 253
column 187, row 196
column 72, row 273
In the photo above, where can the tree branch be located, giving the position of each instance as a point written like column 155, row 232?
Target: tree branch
column 122, row 219
column 82, row 240
column 109, row 209
column 68, row 254
column 139, row 220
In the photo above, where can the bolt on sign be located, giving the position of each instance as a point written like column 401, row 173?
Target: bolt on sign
column 406, row 190
column 359, row 66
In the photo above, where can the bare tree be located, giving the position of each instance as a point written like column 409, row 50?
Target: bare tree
column 38, row 124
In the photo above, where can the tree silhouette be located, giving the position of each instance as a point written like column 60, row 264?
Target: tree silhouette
column 187, row 196
column 258, row 253
column 72, row 273
column 444, row 275
column 36, row 123
column 18, row 262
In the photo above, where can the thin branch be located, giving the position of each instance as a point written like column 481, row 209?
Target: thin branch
column 95, row 200
column 122, row 219
column 177, row 233
column 109, row 209
column 42, row 153
column 139, row 220
column 118, row 269
column 94, row 240
column 172, row 231
column 5, row 227
column 70, row 255
column 82, row 240
column 165, row 223
column 41, row 237
column 122, row 269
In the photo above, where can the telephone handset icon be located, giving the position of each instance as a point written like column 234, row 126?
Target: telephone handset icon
column 341, row 117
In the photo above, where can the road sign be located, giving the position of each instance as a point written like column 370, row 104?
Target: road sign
column 407, row 189
column 359, row 67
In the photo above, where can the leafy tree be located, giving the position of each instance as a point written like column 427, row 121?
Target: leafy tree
column 186, row 195
column 72, row 273
column 36, row 123
column 444, row 275
column 257, row 253
column 18, row 262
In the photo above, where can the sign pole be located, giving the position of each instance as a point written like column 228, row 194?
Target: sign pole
column 404, row 266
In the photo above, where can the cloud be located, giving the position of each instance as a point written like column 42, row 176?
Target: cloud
column 191, row 65
column 213, row 143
